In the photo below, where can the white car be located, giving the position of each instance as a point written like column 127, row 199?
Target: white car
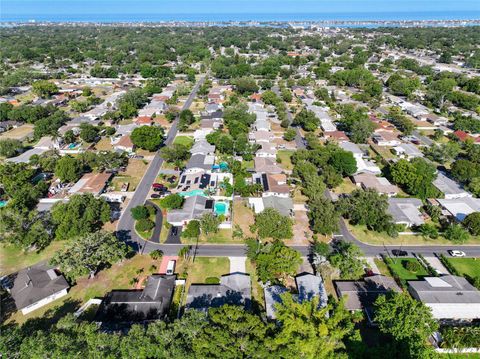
column 455, row 253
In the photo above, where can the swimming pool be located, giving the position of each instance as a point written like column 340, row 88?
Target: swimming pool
column 72, row 146
column 3, row 204
column 195, row 192
column 221, row 208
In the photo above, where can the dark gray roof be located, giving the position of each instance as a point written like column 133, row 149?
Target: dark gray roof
column 362, row 294
column 310, row 286
column 198, row 161
column 445, row 289
column 150, row 303
column 35, row 283
column 234, row 289
column 193, row 208
column 273, row 295
column 281, row 204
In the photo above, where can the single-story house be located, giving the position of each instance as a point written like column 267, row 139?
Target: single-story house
column 193, row 180
column 234, row 288
column 449, row 297
column 212, row 107
column 284, row 205
column 361, row 294
column 449, row 187
column 406, row 211
column 338, row 136
column 380, row 184
column 386, row 138
column 193, row 208
column 260, row 136
column 266, row 165
column 459, row 208
column 407, row 151
column 268, row 150
column 202, row 147
column 261, row 125
column 434, row 119
column 124, row 143
column 149, row 303
column 38, row 285
column 273, row 184
column 93, row 183
column 200, row 161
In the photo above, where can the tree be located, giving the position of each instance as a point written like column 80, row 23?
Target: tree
column 172, row 201
column 88, row 132
column 428, row 230
column 140, row 212
column 343, row 162
column 275, row 261
column 347, row 258
column 246, row 85
column 175, row 153
column 444, row 152
column 10, row 147
column 209, row 223
column 186, row 119
column 465, row 170
column 271, row 224
column 323, row 216
column 307, row 120
column 406, row 320
column 415, row 177
column 81, row 215
column 44, row 88
column 144, row 225
column 68, row 169
column 438, row 91
column 149, row 138
column 456, row 233
column 192, row 230
column 89, row 253
column 156, row 254
column 309, row 331
column 289, row 134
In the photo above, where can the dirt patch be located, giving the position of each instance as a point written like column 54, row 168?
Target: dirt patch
column 301, row 231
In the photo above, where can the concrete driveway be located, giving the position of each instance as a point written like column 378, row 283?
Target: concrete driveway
column 237, row 264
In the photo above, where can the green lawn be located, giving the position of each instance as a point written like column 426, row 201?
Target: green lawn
column 13, row 258
column 397, row 266
column 222, row 236
column 466, row 266
column 184, row 140
column 284, row 159
column 205, row 267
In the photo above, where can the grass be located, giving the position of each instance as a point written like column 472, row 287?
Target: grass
column 258, row 296
column 205, row 267
column 248, row 164
column 133, row 174
column 184, row 140
column 347, row 186
column 382, row 267
column 397, row 266
column 466, row 266
column 104, row 145
column 119, row 276
column 18, row 133
column 284, row 158
column 242, row 216
column 223, row 236
column 13, row 258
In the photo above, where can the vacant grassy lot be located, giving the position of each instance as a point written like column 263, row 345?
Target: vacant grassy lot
column 242, row 216
column 123, row 275
column 13, row 258
column 466, row 266
column 205, row 267
column 104, row 145
column 284, row 159
column 19, row 133
column 133, row 174
column 184, row 140
column 397, row 266
column 347, row 186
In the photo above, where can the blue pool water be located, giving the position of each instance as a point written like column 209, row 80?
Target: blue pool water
column 3, row 204
column 72, row 146
column 221, row 208
column 195, row 192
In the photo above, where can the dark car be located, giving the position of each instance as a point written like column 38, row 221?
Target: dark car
column 155, row 195
column 399, row 253
column 174, row 231
column 159, row 189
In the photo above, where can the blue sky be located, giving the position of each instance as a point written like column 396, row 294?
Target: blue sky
column 69, row 7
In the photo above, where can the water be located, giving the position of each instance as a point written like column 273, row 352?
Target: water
column 260, row 17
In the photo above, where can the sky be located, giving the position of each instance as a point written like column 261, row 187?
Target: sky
column 10, row 8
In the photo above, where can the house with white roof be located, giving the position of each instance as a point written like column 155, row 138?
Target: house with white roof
column 449, row 187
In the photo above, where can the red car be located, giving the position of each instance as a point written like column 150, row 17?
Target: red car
column 158, row 185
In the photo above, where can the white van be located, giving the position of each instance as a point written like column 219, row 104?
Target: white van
column 170, row 267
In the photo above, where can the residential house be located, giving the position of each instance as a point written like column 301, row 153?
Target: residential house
column 434, row 119
column 190, row 181
column 386, row 138
column 193, row 208
column 266, row 165
column 93, row 183
column 407, row 151
column 260, row 136
column 267, row 150
column 363, row 165
column 123, row 143
column 233, row 289
column 450, row 297
column 361, row 294
column 273, row 184
column 261, row 125
column 200, row 162
column 202, row 147
column 449, row 187
column 36, row 286
column 459, row 208
column 338, row 136
column 273, row 297
column 149, row 303
column 284, row 205
column 406, row 211
column 380, row 184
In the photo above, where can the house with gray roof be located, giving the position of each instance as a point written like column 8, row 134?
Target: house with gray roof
column 193, row 208
column 449, row 187
column 234, row 288
column 449, row 297
column 361, row 294
column 200, row 162
column 284, row 205
column 149, row 303
column 202, row 147
column 266, row 165
column 459, row 208
column 406, row 211
column 407, row 151
column 33, row 287
column 273, row 296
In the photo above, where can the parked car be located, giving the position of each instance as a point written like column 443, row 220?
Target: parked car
column 158, row 185
column 456, row 253
column 399, row 253
column 159, row 189
column 155, row 195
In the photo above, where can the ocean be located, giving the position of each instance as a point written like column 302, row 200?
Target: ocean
column 260, row 17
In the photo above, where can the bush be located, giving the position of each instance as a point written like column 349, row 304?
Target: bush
column 140, row 212
column 151, row 210
column 156, row 254
column 412, row 266
column 192, row 230
column 144, row 225
column 212, row 280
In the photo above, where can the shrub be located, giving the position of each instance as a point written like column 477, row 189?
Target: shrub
column 156, row 254
column 140, row 212
column 212, row 280
column 192, row 230
column 151, row 210
column 412, row 266
column 144, row 225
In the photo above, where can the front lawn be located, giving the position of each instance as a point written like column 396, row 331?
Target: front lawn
column 243, row 216
column 284, row 159
column 466, row 266
column 223, row 236
column 397, row 267
column 206, row 267
column 184, row 140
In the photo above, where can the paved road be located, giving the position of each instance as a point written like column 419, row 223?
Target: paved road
column 299, row 141
column 125, row 227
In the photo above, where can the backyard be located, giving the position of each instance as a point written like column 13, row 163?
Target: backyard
column 284, row 159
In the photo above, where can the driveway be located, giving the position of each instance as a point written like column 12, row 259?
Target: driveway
column 174, row 235
column 436, row 264
column 237, row 264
